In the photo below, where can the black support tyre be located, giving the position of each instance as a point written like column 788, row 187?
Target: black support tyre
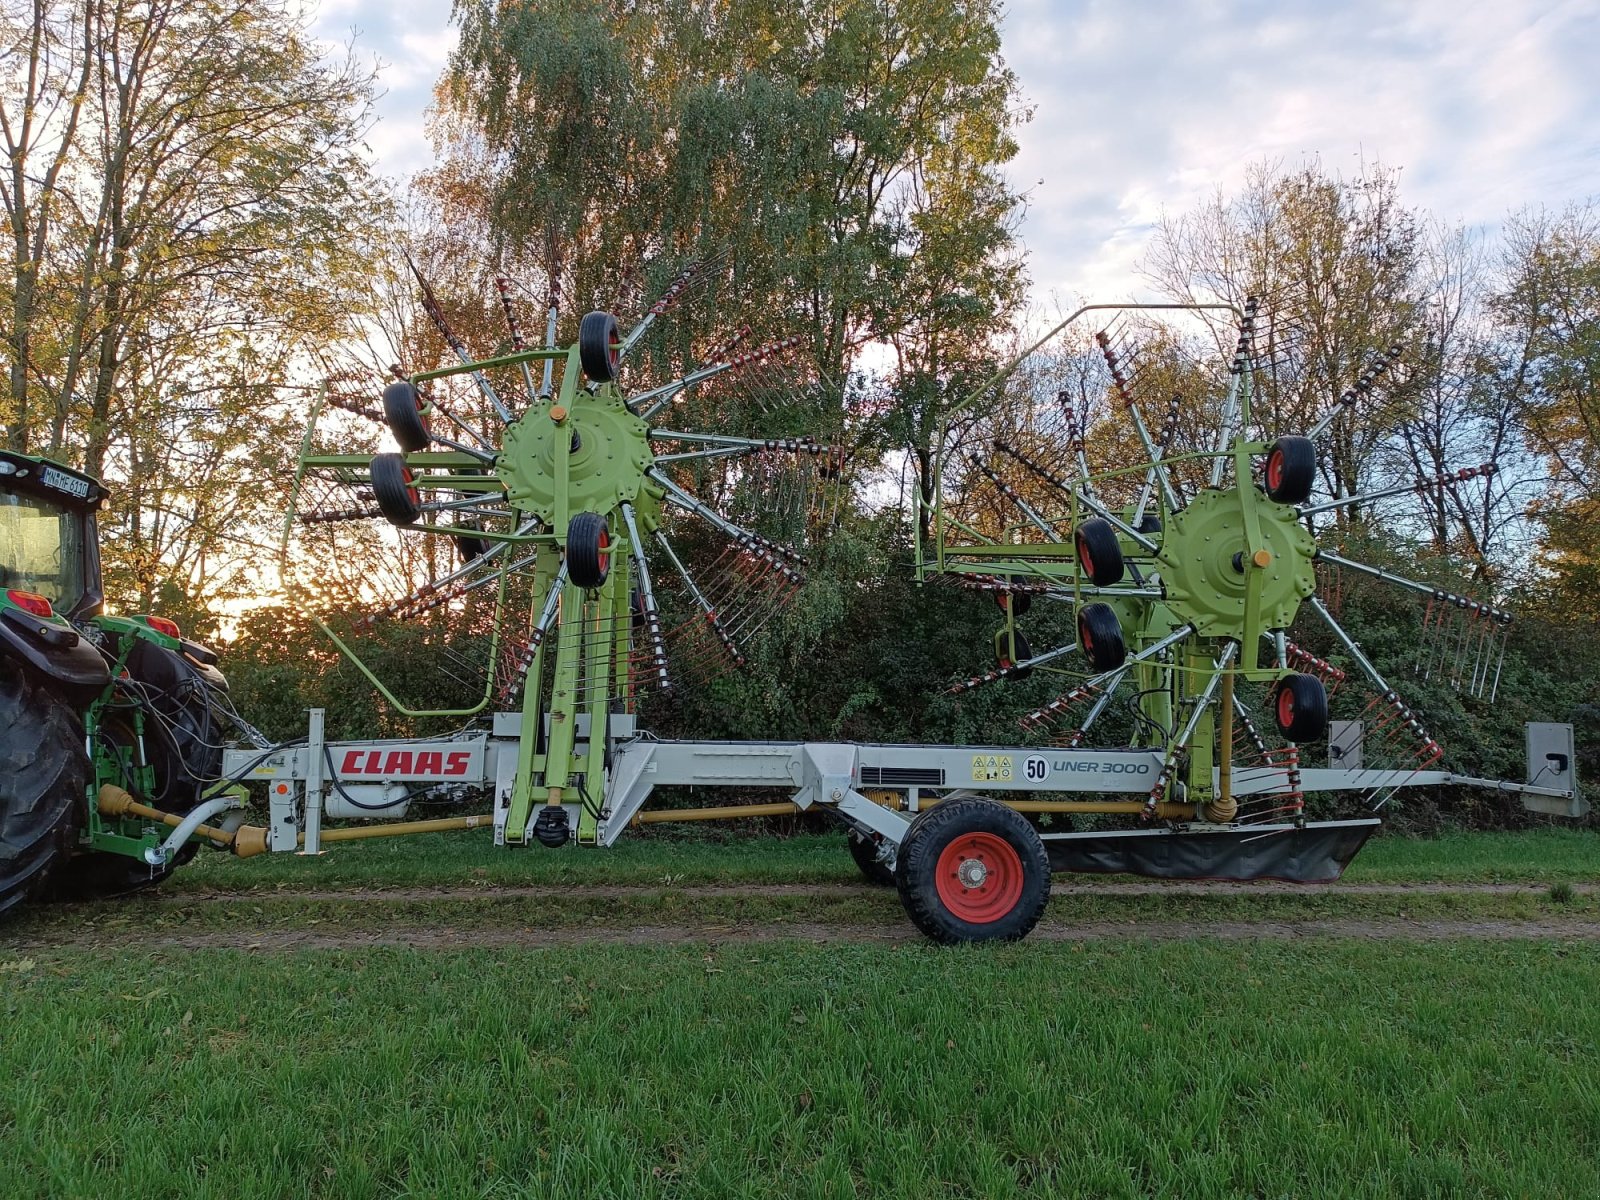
column 1099, row 555
column 1016, row 603
column 972, row 870
column 588, row 550
column 864, row 850
column 599, row 347
column 44, row 778
column 394, row 490
column 1100, row 637
column 402, row 412
column 1300, row 708
column 1004, row 658
column 1291, row 470
column 470, row 547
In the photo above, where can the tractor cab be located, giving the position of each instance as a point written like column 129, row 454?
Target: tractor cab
column 49, row 550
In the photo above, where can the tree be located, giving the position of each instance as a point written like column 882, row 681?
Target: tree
column 1547, row 366
column 846, row 157
column 193, row 233
column 1337, row 267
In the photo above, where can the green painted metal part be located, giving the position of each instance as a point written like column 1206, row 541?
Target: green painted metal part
column 1233, row 566
column 582, row 450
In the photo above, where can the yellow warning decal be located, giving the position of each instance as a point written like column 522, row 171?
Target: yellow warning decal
column 991, row 768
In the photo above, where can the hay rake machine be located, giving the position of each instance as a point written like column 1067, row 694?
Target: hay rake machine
column 566, row 508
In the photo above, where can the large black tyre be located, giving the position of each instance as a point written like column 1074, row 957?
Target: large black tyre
column 1291, row 470
column 599, row 347
column 864, row 850
column 588, row 550
column 44, row 779
column 972, row 870
column 1099, row 554
column 1100, row 637
column 398, row 500
column 402, row 412
column 1300, row 708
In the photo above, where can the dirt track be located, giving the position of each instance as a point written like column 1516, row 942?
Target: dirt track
column 425, row 938
column 840, row 890
column 353, row 931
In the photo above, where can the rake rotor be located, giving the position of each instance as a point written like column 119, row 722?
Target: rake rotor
column 1185, row 570
column 544, row 536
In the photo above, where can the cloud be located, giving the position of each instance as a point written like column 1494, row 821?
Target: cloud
column 1141, row 109
column 1148, row 108
column 410, row 44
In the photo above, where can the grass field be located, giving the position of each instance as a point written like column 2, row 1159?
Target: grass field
column 1132, row 1065
column 1540, row 856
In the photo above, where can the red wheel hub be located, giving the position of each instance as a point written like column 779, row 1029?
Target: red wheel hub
column 979, row 877
column 1275, row 469
column 1085, row 558
column 1285, row 707
column 603, row 549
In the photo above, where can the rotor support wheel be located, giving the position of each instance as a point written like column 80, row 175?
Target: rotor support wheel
column 973, row 870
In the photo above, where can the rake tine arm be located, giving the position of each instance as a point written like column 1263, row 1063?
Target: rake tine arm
column 706, row 610
column 430, row 305
column 1437, row 594
column 652, row 615
column 1363, row 385
column 1437, row 483
column 503, row 286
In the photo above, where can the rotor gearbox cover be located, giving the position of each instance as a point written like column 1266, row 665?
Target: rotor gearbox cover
column 609, row 448
column 1206, row 567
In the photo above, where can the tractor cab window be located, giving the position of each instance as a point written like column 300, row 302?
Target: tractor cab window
column 41, row 549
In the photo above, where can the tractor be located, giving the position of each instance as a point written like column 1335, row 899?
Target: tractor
column 89, row 701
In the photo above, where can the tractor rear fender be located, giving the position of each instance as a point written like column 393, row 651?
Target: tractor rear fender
column 56, row 651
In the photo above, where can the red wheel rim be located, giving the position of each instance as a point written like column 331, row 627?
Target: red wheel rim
column 979, row 878
column 1084, row 638
column 603, row 549
column 1285, row 708
column 1275, row 470
column 614, row 355
column 1085, row 558
column 422, row 413
column 416, row 497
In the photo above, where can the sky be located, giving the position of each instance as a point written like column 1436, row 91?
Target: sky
column 1148, row 106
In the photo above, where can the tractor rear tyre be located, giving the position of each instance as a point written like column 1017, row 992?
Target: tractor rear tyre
column 865, row 852
column 1098, row 552
column 1300, row 708
column 398, row 500
column 972, row 870
column 1291, row 470
column 588, row 550
column 402, row 412
column 44, row 777
column 599, row 347
column 1100, row 637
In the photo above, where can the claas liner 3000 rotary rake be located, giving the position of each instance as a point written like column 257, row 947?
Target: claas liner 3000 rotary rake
column 1185, row 572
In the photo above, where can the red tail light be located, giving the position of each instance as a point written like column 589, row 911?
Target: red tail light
column 163, row 625
column 31, row 602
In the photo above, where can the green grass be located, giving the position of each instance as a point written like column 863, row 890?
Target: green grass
column 1537, row 856
column 1191, row 1069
